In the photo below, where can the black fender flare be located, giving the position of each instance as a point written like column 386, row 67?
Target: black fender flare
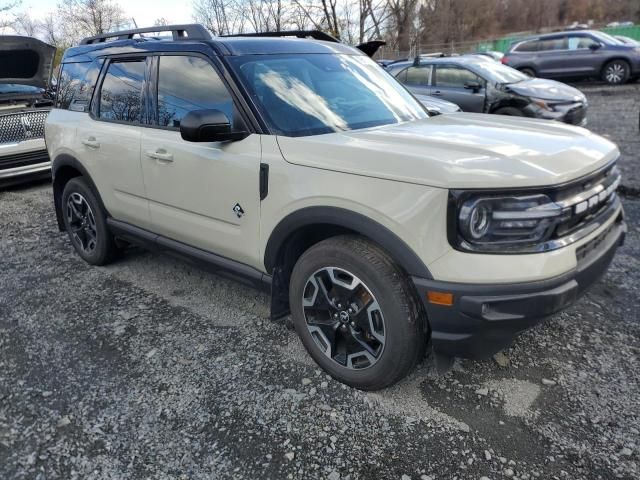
column 66, row 160
column 340, row 217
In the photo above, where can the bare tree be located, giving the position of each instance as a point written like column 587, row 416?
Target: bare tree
column 25, row 24
column 219, row 16
column 5, row 8
column 89, row 17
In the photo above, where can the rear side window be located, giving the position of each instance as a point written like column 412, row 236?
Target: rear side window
column 76, row 84
column 121, row 93
column 418, row 75
column 530, row 46
column 186, row 84
column 551, row 44
column 455, row 77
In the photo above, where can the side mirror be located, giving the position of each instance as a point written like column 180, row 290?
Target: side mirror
column 208, row 126
column 594, row 46
column 475, row 86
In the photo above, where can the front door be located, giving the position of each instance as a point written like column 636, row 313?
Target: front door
column 454, row 83
column 202, row 194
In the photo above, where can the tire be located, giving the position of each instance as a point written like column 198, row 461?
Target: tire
column 511, row 111
column 386, row 314
column 529, row 72
column 616, row 72
column 86, row 223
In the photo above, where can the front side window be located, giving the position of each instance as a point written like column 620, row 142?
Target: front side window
column 186, row 84
column 314, row 94
column 76, row 84
column 451, row 76
column 580, row 42
column 121, row 93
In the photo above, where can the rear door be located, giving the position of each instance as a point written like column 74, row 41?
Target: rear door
column 417, row 79
column 551, row 57
column 453, row 82
column 206, row 194
column 108, row 143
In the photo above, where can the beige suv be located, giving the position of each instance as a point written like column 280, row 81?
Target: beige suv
column 302, row 167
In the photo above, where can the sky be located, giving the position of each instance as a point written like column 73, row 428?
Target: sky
column 145, row 12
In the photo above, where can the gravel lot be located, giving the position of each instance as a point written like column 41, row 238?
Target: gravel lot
column 150, row 368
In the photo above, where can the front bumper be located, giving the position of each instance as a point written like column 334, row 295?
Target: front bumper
column 571, row 113
column 24, row 166
column 484, row 319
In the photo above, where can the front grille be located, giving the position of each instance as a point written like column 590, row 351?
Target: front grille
column 23, row 159
column 21, row 126
column 585, row 202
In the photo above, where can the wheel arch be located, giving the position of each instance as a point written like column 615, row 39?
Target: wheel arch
column 614, row 59
column 65, row 167
column 302, row 229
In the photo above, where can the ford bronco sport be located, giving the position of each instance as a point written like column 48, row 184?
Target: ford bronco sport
column 302, row 167
column 25, row 70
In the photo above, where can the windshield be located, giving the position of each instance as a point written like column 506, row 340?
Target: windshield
column 312, row 94
column 605, row 37
column 499, row 73
column 14, row 88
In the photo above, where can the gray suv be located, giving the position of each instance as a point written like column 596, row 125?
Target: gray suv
column 579, row 54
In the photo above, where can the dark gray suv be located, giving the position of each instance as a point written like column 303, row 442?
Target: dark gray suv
column 578, row 54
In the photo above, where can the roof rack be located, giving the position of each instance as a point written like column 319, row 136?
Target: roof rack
column 179, row 32
column 315, row 34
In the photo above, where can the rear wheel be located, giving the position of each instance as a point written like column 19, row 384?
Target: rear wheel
column 616, row 72
column 529, row 72
column 512, row 111
column 86, row 224
column 356, row 313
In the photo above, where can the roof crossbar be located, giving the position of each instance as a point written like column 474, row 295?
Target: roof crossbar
column 315, row 34
column 179, row 32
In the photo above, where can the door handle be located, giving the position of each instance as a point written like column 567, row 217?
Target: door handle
column 437, row 93
column 91, row 142
column 160, row 155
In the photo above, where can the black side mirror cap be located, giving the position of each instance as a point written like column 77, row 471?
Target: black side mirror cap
column 208, row 126
column 594, row 46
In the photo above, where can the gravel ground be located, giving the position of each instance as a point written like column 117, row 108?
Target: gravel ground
column 150, row 368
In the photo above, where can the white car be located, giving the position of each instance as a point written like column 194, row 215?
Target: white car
column 300, row 166
column 25, row 70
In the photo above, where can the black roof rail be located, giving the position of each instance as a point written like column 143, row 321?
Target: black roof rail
column 179, row 32
column 315, row 34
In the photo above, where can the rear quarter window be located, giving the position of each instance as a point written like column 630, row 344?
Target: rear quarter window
column 76, row 85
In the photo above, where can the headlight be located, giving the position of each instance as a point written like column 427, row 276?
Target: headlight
column 544, row 104
column 507, row 222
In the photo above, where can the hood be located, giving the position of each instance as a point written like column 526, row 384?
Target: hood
column 25, row 61
column 464, row 150
column 546, row 90
column 437, row 105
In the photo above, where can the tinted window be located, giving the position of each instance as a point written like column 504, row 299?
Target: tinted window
column 76, row 84
column 454, row 77
column 186, row 84
column 418, row 75
column 121, row 94
column 314, row 94
column 530, row 46
column 578, row 42
column 550, row 44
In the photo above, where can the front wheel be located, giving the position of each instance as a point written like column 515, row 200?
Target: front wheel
column 528, row 72
column 616, row 72
column 356, row 313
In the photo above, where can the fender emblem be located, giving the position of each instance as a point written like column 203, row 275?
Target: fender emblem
column 237, row 209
